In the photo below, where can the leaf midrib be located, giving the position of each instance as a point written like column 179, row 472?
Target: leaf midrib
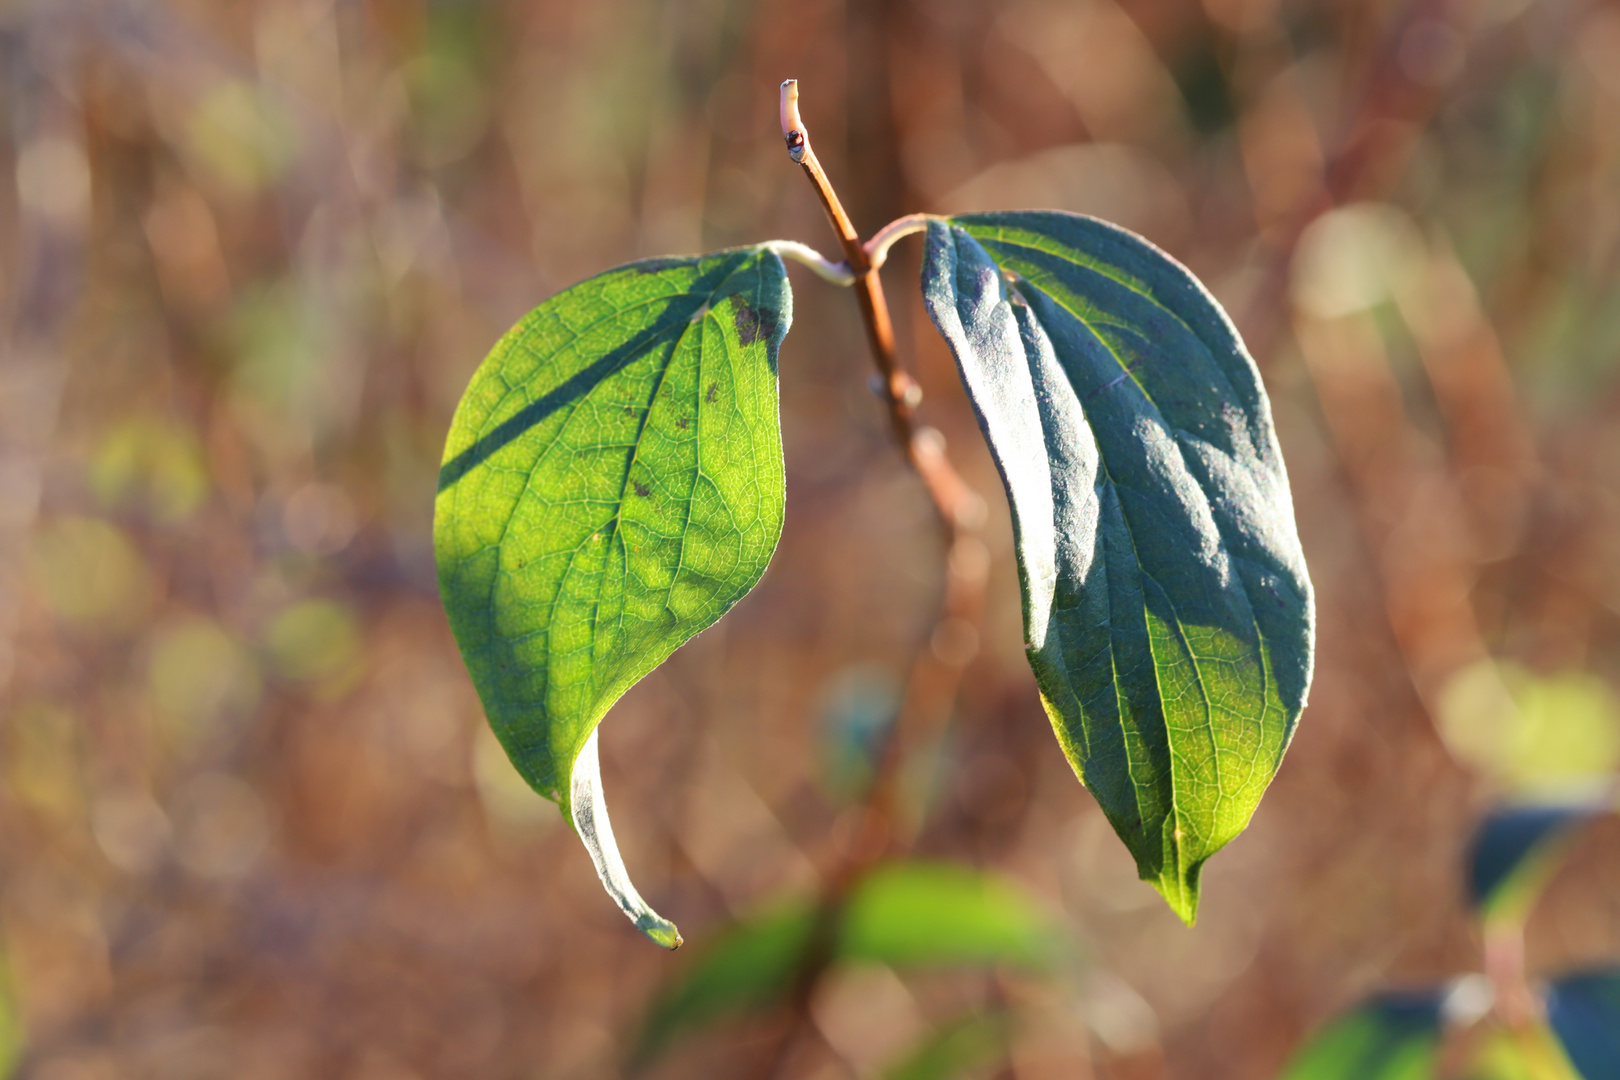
column 1209, row 723
column 613, row 522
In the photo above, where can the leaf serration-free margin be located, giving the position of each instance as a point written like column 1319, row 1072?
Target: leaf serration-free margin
column 612, row 484
column 1167, row 608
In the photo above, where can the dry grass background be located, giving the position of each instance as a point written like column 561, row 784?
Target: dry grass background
column 250, row 822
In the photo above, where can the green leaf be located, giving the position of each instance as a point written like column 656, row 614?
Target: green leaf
column 1584, row 1010
column 1391, row 1037
column 612, row 485
column 967, row 1045
column 1529, row 1052
column 13, row 1041
column 907, row 915
column 1167, row 610
column 927, row 914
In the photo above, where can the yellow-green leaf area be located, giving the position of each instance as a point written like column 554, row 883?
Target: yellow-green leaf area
column 612, row 484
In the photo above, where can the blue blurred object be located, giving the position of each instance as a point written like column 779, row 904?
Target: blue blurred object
column 857, row 706
column 1584, row 1009
column 1512, row 842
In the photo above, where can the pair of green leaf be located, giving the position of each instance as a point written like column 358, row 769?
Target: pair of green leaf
column 613, row 483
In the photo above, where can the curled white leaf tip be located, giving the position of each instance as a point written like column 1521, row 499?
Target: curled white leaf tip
column 589, row 811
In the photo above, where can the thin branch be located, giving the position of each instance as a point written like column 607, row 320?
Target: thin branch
column 957, row 504
column 936, row 673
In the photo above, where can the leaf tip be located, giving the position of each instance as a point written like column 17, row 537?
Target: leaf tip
column 1180, row 892
column 660, row 931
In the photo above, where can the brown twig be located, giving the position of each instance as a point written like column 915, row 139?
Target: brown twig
column 957, row 504
column 936, row 673
column 933, row 680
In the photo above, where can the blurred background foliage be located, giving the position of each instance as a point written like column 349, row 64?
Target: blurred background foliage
column 251, row 822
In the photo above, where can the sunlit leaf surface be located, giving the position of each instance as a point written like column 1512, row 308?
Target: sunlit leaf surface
column 1167, row 610
column 612, row 484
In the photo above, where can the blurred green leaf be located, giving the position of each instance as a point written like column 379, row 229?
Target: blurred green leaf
column 92, row 577
column 197, row 676
column 908, row 915
column 278, row 340
column 1167, row 607
column 747, row 967
column 1584, row 1011
column 157, row 466
column 612, row 484
column 1540, row 734
column 1389, row 1037
column 1515, row 851
column 242, row 136
column 12, row 1035
column 451, row 106
column 925, row 914
column 40, row 756
column 314, row 642
column 965, row 1046
column 1525, row 1054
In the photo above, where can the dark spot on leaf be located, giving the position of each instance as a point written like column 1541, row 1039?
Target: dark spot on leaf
column 642, row 489
column 629, row 411
column 714, row 389
column 684, row 422
column 753, row 324
column 656, row 266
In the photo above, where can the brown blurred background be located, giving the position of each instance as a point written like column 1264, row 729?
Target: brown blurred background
column 251, row 823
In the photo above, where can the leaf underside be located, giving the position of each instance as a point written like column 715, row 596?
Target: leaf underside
column 612, row 484
column 1167, row 610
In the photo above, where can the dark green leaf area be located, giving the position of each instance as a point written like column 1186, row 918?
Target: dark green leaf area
column 1392, row 1037
column 612, row 484
column 1515, row 850
column 1584, row 1010
column 911, row 916
column 1167, row 609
